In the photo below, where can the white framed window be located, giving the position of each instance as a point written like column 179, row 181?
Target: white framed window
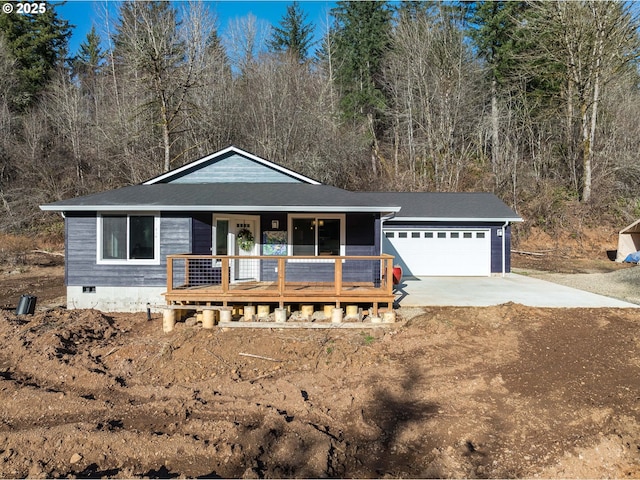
column 316, row 235
column 131, row 239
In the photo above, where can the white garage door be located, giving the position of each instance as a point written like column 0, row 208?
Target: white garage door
column 440, row 252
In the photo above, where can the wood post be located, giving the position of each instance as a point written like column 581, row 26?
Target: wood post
column 169, row 273
column 225, row 274
column 225, row 315
column 280, row 315
column 281, row 278
column 306, row 311
column 168, row 320
column 249, row 313
column 352, row 312
column 208, row 318
column 338, row 275
column 388, row 274
column 389, row 316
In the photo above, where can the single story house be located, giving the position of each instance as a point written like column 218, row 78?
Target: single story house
column 233, row 203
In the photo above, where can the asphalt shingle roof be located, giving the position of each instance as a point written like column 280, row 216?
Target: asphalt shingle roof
column 291, row 197
column 446, row 205
column 228, row 196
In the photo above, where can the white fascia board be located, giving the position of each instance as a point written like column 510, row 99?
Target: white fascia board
column 239, row 151
column 216, row 208
column 629, row 227
column 456, row 219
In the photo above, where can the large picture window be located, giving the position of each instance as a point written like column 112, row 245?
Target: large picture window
column 317, row 236
column 128, row 239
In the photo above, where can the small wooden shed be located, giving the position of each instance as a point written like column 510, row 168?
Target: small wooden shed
column 628, row 241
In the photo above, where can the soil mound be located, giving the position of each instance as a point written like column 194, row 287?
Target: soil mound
column 506, row 391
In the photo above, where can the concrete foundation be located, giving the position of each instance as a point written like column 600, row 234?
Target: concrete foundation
column 114, row 299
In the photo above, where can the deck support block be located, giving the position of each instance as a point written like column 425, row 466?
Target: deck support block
column 389, row 316
column 353, row 312
column 225, row 315
column 249, row 313
column 208, row 318
column 306, row 311
column 263, row 311
column 336, row 315
column 280, row 315
column 168, row 320
column 327, row 310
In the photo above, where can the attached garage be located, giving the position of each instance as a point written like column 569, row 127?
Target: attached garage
column 440, row 252
column 448, row 234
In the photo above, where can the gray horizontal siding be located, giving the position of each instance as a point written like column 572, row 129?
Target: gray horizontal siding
column 82, row 268
column 234, row 168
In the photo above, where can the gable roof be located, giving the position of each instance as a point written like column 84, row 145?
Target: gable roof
column 229, row 197
column 447, row 206
column 633, row 228
column 182, row 172
column 201, row 186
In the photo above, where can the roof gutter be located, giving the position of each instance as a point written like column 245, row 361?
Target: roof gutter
column 217, row 208
column 460, row 219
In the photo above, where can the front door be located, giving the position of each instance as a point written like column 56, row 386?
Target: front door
column 238, row 236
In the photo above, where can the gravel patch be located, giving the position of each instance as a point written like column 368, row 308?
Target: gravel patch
column 621, row 284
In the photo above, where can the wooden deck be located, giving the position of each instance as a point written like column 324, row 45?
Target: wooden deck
column 209, row 280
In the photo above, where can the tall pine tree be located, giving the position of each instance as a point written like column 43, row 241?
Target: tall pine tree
column 38, row 42
column 293, row 35
column 494, row 30
column 361, row 36
column 361, row 39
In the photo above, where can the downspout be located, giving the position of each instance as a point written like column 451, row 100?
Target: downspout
column 504, row 247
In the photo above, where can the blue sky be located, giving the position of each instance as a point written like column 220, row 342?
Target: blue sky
column 83, row 14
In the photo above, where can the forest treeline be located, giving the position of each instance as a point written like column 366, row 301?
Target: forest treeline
column 538, row 102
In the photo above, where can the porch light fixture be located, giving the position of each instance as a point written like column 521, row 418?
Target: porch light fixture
column 275, row 224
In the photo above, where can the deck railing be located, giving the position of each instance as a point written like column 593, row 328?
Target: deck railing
column 279, row 278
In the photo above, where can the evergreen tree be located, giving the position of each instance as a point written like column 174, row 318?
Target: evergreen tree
column 361, row 39
column 38, row 42
column 294, row 33
column 88, row 63
column 90, row 57
column 494, row 30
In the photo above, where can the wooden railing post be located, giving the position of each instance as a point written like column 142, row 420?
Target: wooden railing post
column 282, row 276
column 389, row 275
column 338, row 274
column 169, row 273
column 225, row 274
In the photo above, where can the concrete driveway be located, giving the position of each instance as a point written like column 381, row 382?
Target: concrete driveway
column 487, row 291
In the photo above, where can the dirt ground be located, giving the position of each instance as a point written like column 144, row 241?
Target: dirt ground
column 497, row 392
